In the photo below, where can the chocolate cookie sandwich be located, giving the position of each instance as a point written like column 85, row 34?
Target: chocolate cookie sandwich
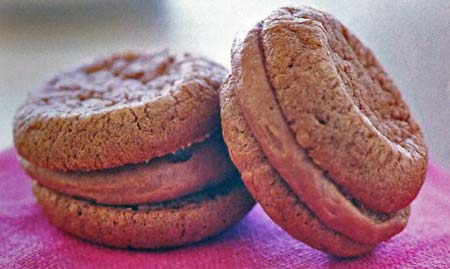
column 320, row 133
column 126, row 151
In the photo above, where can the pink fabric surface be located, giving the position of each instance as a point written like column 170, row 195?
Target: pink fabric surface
column 27, row 240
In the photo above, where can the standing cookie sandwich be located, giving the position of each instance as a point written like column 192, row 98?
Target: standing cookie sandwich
column 126, row 151
column 320, row 133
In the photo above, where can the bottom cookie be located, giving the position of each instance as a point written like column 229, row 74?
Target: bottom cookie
column 167, row 224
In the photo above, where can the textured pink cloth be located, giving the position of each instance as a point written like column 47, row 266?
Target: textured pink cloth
column 27, row 240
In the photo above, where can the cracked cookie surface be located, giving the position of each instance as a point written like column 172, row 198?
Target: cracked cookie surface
column 168, row 224
column 309, row 111
column 347, row 114
column 126, row 108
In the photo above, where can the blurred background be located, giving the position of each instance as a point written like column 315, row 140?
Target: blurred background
column 38, row 38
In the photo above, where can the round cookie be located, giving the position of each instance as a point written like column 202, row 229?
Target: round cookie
column 175, row 223
column 347, row 113
column 126, row 151
column 308, row 109
column 161, row 179
column 127, row 108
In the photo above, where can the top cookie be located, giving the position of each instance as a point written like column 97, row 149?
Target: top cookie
column 126, row 108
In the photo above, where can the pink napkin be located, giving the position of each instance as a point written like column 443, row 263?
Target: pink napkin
column 27, row 240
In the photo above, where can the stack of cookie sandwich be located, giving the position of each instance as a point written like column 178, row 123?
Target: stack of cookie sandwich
column 127, row 151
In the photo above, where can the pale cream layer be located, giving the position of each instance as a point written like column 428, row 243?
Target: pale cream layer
column 161, row 179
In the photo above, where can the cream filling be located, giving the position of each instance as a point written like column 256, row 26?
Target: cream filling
column 160, row 179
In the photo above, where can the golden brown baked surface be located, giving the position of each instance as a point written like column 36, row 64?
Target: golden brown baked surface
column 161, row 179
column 168, row 224
column 126, row 108
column 347, row 113
column 309, row 107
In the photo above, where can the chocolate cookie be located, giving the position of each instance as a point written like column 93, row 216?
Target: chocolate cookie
column 126, row 108
column 320, row 134
column 168, row 224
column 126, row 151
